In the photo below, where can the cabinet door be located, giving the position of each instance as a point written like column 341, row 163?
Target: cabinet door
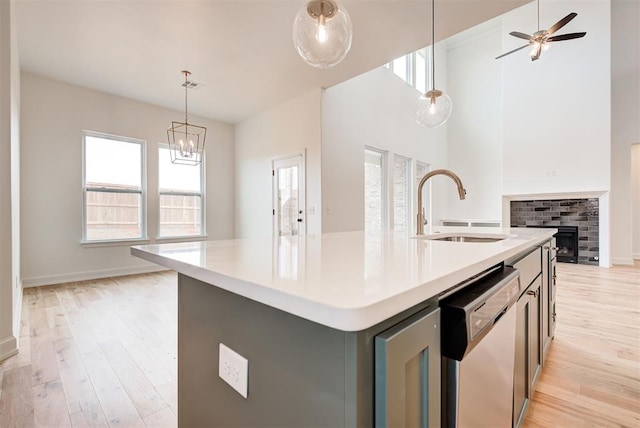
column 548, row 295
column 407, row 373
column 545, row 293
column 552, row 297
column 529, row 336
column 521, row 384
column 536, row 332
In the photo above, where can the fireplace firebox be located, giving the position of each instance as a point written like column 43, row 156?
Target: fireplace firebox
column 566, row 243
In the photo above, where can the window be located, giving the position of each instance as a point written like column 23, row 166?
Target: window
column 421, row 170
column 114, row 186
column 181, row 197
column 401, row 67
column 420, row 76
column 374, row 197
column 412, row 68
column 401, row 193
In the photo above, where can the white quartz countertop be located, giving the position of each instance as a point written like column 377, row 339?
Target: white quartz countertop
column 348, row 281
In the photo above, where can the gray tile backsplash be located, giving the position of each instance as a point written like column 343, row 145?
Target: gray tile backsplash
column 583, row 213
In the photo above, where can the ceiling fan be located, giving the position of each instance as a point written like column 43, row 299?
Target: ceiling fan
column 540, row 39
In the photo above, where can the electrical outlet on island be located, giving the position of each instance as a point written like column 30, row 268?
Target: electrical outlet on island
column 233, row 369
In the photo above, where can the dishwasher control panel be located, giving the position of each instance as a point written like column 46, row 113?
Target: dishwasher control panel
column 492, row 308
column 469, row 314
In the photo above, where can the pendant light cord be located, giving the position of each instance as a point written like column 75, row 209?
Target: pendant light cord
column 185, row 97
column 433, row 38
column 538, row 15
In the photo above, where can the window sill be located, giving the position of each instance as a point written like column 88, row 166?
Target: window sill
column 170, row 239
column 114, row 243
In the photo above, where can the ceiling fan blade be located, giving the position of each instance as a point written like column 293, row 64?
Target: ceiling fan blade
column 565, row 37
column 510, row 52
column 520, row 35
column 564, row 21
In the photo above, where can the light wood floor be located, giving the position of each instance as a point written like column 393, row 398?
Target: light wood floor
column 97, row 353
column 592, row 374
column 103, row 353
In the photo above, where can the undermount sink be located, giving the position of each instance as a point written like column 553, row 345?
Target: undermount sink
column 460, row 237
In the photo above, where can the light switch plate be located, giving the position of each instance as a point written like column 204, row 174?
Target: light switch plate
column 233, row 369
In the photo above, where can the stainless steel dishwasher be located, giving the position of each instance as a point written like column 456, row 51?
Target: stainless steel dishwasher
column 478, row 351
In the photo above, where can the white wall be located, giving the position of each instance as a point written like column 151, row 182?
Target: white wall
column 289, row 128
column 625, row 130
column 557, row 110
column 557, row 125
column 54, row 114
column 375, row 109
column 10, row 281
column 475, row 128
column 635, row 204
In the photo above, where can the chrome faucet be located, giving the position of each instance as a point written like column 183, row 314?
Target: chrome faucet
column 461, row 192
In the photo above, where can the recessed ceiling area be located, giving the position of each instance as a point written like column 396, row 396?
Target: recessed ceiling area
column 240, row 50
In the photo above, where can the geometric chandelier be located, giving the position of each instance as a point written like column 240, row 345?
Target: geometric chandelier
column 186, row 141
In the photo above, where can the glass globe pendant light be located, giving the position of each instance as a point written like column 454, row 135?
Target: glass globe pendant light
column 434, row 107
column 322, row 33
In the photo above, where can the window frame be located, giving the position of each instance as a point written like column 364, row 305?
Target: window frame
column 408, row 194
column 142, row 191
column 384, row 156
column 202, row 194
column 426, row 192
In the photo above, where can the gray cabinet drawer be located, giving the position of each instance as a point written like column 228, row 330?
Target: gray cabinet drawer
column 529, row 265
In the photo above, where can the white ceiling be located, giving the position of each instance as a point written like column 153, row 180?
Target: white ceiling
column 241, row 50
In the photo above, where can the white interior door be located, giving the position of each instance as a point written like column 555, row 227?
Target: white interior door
column 288, row 196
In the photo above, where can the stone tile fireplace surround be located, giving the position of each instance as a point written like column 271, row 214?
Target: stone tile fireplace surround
column 583, row 213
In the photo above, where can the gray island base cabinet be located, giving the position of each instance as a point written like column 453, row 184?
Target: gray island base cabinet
column 336, row 347
column 301, row 374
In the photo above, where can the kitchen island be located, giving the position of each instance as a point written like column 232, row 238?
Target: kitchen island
column 305, row 312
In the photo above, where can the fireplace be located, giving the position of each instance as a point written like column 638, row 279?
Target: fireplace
column 567, row 244
column 568, row 216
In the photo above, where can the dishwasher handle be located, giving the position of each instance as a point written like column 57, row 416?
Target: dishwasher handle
column 504, row 311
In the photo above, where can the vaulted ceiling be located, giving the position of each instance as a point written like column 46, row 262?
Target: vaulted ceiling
column 240, row 50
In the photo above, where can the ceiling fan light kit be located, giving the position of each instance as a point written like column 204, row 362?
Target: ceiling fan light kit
column 539, row 41
column 434, row 107
column 322, row 33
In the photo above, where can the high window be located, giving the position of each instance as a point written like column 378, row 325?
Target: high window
column 412, row 68
column 114, row 188
column 181, row 197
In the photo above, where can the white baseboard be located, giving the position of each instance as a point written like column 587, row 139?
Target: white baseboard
column 636, row 256
column 622, row 261
column 8, row 347
column 87, row 276
column 17, row 312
